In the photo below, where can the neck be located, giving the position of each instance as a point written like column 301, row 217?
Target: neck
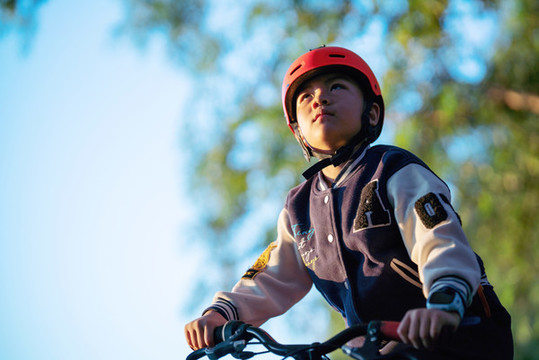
column 340, row 157
column 331, row 172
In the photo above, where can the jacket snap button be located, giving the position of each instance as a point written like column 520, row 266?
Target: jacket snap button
column 326, row 199
column 330, row 238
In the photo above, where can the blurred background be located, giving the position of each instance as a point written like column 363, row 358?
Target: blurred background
column 144, row 155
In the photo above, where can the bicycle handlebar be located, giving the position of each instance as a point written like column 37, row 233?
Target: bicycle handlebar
column 234, row 336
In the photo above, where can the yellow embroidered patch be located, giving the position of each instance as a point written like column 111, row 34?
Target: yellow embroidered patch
column 260, row 263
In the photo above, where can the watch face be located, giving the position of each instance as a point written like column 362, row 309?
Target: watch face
column 445, row 296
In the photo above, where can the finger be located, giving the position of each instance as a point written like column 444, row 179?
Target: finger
column 402, row 330
column 208, row 337
column 200, row 339
column 413, row 333
column 189, row 339
column 435, row 330
column 410, row 328
column 446, row 325
column 424, row 332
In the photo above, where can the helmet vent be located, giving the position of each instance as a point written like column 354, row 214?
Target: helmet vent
column 337, row 55
column 295, row 69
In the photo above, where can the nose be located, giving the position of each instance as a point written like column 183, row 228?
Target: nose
column 321, row 97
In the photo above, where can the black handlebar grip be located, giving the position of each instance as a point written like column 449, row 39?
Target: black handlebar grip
column 222, row 333
column 218, row 334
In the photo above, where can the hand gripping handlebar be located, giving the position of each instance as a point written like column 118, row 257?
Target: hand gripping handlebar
column 234, row 336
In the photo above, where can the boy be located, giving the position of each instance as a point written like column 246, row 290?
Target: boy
column 372, row 228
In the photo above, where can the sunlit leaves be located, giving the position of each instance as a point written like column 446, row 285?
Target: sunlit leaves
column 460, row 90
column 182, row 23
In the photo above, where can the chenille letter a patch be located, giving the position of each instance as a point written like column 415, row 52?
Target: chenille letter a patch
column 371, row 211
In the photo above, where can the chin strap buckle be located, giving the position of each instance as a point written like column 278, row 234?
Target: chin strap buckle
column 342, row 155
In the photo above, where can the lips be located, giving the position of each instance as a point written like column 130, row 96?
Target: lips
column 322, row 113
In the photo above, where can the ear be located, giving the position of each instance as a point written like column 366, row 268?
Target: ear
column 374, row 114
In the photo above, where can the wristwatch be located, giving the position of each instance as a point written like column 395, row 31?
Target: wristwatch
column 447, row 299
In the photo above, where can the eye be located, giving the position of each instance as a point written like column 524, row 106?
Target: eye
column 337, row 86
column 303, row 96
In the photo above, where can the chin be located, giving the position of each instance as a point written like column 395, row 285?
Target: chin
column 326, row 149
column 327, row 144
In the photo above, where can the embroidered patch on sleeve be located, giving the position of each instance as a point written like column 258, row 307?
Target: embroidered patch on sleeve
column 430, row 210
column 260, row 263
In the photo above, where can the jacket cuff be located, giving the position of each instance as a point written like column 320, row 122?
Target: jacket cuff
column 224, row 308
column 450, row 294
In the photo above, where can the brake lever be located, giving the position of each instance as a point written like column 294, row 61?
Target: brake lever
column 370, row 349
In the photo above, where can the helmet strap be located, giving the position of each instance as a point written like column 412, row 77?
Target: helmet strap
column 341, row 155
column 344, row 153
column 307, row 152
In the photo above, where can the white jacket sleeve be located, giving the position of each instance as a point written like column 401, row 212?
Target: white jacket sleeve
column 432, row 231
column 277, row 281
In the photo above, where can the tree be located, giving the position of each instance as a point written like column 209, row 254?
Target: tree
column 496, row 174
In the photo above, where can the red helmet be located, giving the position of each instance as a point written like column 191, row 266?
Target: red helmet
column 329, row 59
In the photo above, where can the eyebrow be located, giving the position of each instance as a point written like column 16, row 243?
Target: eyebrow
column 330, row 78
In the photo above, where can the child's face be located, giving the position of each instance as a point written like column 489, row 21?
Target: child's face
column 328, row 110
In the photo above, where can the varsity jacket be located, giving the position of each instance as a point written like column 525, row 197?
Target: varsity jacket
column 375, row 243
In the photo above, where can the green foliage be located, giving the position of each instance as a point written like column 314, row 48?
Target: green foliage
column 497, row 183
column 181, row 22
column 479, row 134
column 19, row 16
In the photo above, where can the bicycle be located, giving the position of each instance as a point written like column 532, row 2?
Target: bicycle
column 235, row 336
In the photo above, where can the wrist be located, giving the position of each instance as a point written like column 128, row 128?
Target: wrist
column 447, row 299
column 215, row 310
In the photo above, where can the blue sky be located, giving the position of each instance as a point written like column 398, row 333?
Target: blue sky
column 91, row 194
column 93, row 261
